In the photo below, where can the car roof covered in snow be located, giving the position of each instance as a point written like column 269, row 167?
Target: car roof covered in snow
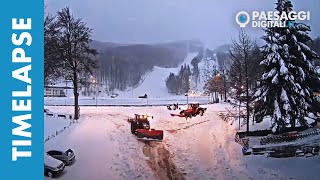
column 50, row 161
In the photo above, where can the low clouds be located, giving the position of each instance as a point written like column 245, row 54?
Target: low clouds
column 153, row 21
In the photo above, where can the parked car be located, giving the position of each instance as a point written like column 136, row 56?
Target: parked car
column 144, row 96
column 67, row 157
column 47, row 111
column 52, row 166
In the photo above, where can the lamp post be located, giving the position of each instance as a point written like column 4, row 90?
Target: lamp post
column 96, row 99
column 187, row 98
column 188, row 91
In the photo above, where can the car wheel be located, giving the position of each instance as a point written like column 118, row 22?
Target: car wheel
column 50, row 174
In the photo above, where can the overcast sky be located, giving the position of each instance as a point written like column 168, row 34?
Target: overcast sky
column 156, row 21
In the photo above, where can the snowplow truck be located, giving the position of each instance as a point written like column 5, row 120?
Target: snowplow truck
column 193, row 110
column 140, row 126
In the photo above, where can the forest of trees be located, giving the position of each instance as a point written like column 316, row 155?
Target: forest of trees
column 123, row 66
column 180, row 83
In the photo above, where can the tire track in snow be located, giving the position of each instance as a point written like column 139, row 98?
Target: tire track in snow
column 158, row 157
column 160, row 162
column 186, row 127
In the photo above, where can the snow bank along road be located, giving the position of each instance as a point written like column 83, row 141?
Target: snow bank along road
column 199, row 148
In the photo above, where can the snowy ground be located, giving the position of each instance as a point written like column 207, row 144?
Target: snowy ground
column 199, row 148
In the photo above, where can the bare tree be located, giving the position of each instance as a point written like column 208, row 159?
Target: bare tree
column 223, row 60
column 52, row 61
column 74, row 41
column 242, row 73
column 215, row 86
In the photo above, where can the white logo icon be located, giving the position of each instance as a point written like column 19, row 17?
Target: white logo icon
column 242, row 18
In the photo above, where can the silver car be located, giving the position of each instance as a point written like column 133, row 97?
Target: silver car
column 67, row 157
column 52, row 167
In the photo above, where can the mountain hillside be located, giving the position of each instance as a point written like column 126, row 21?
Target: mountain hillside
column 122, row 66
column 153, row 83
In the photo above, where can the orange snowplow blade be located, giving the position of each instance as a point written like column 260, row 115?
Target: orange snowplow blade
column 149, row 134
column 179, row 115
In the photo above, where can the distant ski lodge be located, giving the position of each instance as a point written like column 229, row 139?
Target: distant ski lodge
column 55, row 91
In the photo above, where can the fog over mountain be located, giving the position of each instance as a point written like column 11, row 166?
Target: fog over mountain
column 153, row 21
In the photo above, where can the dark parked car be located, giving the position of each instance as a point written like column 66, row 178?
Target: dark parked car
column 66, row 157
column 144, row 96
column 52, row 167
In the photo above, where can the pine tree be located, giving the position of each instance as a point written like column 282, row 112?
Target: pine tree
column 286, row 92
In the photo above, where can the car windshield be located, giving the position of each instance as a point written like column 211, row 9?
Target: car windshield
column 193, row 105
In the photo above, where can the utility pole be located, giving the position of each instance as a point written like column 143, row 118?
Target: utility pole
column 187, row 98
column 239, row 114
column 96, row 99
column 65, row 98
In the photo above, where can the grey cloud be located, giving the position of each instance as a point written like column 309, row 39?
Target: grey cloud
column 153, row 21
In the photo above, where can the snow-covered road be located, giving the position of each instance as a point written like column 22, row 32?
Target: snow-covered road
column 209, row 151
column 197, row 148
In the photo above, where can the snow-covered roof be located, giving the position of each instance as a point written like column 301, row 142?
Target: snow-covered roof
column 58, row 87
column 65, row 85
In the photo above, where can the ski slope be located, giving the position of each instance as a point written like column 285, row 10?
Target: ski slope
column 206, row 67
column 154, row 84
